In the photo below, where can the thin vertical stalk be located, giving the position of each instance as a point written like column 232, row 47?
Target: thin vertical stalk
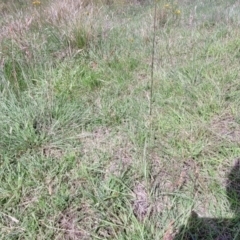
column 153, row 55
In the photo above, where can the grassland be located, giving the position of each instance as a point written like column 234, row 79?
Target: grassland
column 80, row 155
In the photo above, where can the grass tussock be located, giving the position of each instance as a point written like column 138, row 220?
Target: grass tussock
column 80, row 156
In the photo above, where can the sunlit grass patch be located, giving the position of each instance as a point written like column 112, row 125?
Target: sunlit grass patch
column 81, row 158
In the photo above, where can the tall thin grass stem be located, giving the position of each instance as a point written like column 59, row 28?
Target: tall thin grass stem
column 153, row 54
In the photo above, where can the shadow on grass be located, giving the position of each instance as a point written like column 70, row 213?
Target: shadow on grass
column 216, row 228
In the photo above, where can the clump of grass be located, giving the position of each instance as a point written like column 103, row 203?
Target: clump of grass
column 16, row 65
column 54, row 39
column 81, row 38
column 14, row 72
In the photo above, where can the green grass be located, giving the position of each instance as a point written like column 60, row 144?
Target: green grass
column 80, row 157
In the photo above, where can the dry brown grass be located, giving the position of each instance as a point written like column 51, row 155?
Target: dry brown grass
column 117, row 145
column 64, row 16
column 225, row 127
column 69, row 222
